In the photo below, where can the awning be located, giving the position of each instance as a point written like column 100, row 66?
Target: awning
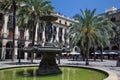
column 73, row 52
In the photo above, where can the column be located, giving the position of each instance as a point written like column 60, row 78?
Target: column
column 26, row 34
column 36, row 31
column 57, row 35
column 63, row 35
column 16, row 32
column 43, row 36
column 16, row 49
column 6, row 18
column 3, row 54
column 4, row 41
column 26, row 43
column 68, row 41
column 52, row 34
column 26, row 54
column 16, row 40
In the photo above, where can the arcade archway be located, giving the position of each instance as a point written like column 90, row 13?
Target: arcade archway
column 29, row 54
column 20, row 51
column 115, row 47
column 9, row 50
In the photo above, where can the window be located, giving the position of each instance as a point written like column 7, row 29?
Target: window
column 113, row 19
column 65, row 23
column 11, row 19
column 60, row 38
column 59, row 21
column 21, row 34
column 10, row 33
column 53, row 38
column 60, row 31
column 40, row 36
column 30, row 34
column 54, row 28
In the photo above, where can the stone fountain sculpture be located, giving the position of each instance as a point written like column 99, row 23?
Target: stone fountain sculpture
column 48, row 63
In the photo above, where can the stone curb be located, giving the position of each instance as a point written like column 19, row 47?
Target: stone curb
column 111, row 75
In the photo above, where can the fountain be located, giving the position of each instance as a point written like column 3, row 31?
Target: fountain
column 48, row 63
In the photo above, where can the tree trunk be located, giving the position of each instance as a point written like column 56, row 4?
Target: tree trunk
column 87, row 51
column 101, row 51
column 94, row 53
column 87, row 56
column 14, row 24
column 94, row 56
column 33, row 40
column 82, row 54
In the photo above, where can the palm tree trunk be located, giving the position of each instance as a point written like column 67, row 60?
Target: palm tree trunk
column 101, row 51
column 94, row 53
column 83, row 55
column 33, row 40
column 14, row 24
column 87, row 56
column 82, row 51
column 94, row 56
column 87, row 51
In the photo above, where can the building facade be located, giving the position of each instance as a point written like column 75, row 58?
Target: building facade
column 23, row 37
column 113, row 14
column 59, row 29
column 111, row 51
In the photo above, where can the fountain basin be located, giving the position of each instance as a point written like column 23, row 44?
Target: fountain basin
column 68, row 73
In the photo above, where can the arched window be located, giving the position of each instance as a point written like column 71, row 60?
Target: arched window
column 21, row 34
column 10, row 35
column 59, row 21
column 30, row 34
column 65, row 23
column 60, row 31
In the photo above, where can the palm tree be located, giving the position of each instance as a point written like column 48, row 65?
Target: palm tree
column 90, row 30
column 29, row 14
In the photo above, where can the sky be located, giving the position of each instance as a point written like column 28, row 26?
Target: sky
column 72, row 7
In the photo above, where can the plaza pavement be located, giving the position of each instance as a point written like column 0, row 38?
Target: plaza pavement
column 106, row 65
